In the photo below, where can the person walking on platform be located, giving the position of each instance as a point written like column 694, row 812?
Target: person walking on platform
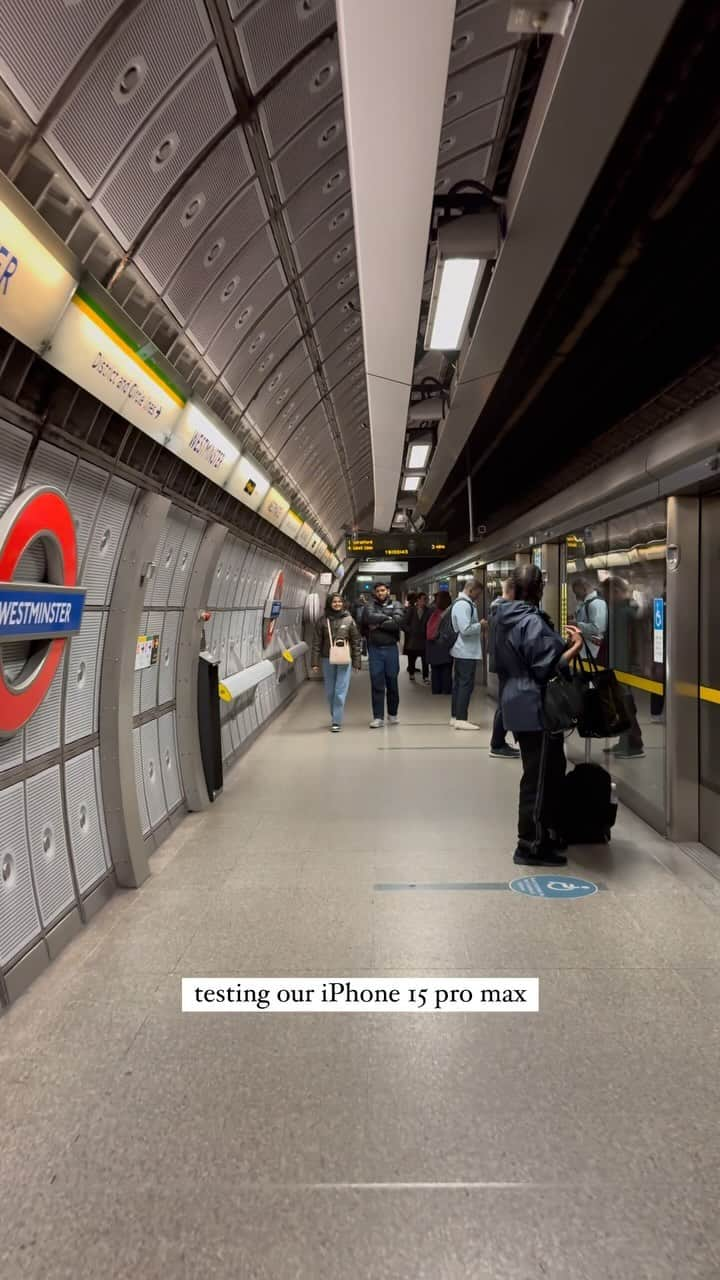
column 336, row 644
column 438, row 655
column 466, row 652
column 500, row 748
column 382, row 621
column 415, row 627
column 528, row 652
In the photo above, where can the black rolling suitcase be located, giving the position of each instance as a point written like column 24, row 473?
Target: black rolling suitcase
column 588, row 808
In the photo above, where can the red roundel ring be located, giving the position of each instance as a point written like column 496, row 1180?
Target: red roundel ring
column 272, row 609
column 39, row 514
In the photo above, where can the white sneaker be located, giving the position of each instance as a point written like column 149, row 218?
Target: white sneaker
column 376, row 724
column 393, row 719
column 466, row 724
column 453, row 722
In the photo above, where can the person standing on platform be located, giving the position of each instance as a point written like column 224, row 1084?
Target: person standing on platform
column 528, row 653
column 336, row 631
column 500, row 748
column 415, row 627
column 591, row 616
column 466, row 652
column 382, row 622
column 438, row 656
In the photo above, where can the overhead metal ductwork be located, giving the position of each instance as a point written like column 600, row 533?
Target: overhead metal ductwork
column 577, row 115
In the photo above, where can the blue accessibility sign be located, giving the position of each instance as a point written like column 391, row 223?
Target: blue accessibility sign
column 553, row 887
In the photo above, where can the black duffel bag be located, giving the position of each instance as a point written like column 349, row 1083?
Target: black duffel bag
column 604, row 712
column 563, row 702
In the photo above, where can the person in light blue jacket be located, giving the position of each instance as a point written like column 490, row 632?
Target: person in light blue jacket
column 466, row 652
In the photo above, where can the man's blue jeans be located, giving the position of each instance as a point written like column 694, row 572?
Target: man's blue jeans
column 384, row 664
column 337, row 683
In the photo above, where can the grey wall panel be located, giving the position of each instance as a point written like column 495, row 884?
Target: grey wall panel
column 88, row 151
column 106, row 540
column 194, row 208
column 50, row 466
column 152, row 777
column 140, row 783
column 226, row 739
column 168, row 558
column 86, row 831
column 274, row 32
column 167, row 657
column 19, row 920
column 48, row 847
column 15, row 446
column 218, row 576
column 101, row 808
column 42, row 733
column 36, row 68
column 238, row 235
column 84, row 497
column 188, row 121
column 149, row 677
column 11, row 749
column 169, row 761
column 183, row 569
column 84, row 662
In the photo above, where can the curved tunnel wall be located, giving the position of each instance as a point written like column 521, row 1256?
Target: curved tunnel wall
column 57, row 861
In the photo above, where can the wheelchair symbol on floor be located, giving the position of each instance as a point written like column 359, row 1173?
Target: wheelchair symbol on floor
column 550, row 887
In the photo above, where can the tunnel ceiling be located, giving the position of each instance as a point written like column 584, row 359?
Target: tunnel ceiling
column 626, row 332
column 192, row 154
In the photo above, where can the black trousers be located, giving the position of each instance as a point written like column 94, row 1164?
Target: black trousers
column 543, row 758
column 498, row 730
column 441, row 677
column 412, row 656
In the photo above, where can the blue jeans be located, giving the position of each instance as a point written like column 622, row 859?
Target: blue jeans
column 384, row 664
column 337, row 683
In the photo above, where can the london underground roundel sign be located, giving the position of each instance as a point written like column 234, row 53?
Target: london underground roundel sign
column 42, row 614
column 273, row 607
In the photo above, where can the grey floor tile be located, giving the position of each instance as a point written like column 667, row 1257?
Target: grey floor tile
column 579, row 1143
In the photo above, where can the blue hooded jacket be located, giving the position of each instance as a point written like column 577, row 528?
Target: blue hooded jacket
column 527, row 653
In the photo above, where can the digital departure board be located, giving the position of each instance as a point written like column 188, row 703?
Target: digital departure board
column 391, row 546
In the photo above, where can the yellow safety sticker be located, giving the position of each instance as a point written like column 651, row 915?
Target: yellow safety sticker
column 225, row 693
column 287, row 655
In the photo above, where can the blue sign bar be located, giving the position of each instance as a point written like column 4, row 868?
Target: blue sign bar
column 276, row 609
column 39, row 612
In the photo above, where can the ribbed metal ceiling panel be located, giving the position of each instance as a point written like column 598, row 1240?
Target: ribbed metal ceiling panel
column 219, row 169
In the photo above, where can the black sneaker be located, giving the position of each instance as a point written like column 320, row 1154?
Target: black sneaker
column 543, row 858
column 505, row 752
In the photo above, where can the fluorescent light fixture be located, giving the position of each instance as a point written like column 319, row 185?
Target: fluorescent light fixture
column 457, row 286
column 411, row 483
column 418, row 455
column 464, row 245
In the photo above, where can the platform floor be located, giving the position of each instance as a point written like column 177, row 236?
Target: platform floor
column 580, row 1143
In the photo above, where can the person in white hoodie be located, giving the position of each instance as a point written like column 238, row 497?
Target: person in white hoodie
column 466, row 652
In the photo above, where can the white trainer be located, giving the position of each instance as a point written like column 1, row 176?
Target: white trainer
column 466, row 724
column 393, row 719
column 452, row 722
column 376, row 724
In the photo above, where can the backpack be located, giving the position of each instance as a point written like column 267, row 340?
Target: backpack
column 587, row 807
column 446, row 634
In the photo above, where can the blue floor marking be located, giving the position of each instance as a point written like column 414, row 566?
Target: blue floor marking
column 475, row 885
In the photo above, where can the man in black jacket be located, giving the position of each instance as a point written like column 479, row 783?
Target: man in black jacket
column 500, row 749
column 382, row 620
column 528, row 653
